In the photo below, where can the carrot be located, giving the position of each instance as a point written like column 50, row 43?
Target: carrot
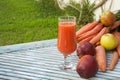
column 118, row 49
column 115, row 25
column 86, row 28
column 79, row 39
column 82, row 29
column 98, row 36
column 87, row 39
column 95, row 30
column 97, row 43
column 107, row 30
column 117, row 35
column 114, row 60
column 101, row 58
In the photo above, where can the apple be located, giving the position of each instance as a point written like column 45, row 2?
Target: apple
column 107, row 18
column 85, row 48
column 87, row 67
column 109, row 41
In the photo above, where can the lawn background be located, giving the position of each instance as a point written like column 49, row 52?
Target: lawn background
column 28, row 20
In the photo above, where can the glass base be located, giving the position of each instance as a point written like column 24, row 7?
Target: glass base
column 67, row 66
column 70, row 62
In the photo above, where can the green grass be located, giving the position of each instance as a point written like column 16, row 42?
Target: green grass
column 27, row 20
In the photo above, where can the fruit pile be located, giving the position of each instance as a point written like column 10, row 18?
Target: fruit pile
column 94, row 39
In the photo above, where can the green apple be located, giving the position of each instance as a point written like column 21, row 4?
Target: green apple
column 108, row 41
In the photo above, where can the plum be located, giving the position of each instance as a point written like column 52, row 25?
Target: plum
column 85, row 48
column 87, row 67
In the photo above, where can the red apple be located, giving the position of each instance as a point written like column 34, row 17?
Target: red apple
column 85, row 48
column 87, row 67
column 107, row 18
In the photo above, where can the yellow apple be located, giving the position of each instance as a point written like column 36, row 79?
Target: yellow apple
column 108, row 41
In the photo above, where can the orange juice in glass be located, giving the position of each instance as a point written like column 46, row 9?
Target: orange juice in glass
column 66, row 37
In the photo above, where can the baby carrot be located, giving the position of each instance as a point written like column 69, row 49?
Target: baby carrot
column 114, row 60
column 101, row 58
column 86, row 28
column 95, row 30
column 98, row 36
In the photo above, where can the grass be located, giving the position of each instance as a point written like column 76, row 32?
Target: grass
column 27, row 20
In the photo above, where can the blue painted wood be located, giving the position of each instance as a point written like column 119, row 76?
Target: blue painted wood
column 25, row 46
column 40, row 61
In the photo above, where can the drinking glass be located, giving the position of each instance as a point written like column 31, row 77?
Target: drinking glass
column 66, row 38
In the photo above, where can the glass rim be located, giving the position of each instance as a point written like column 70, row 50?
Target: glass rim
column 60, row 18
column 66, row 17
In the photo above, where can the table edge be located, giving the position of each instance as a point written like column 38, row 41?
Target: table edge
column 29, row 45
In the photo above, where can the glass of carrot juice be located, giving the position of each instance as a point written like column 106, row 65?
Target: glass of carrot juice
column 66, row 38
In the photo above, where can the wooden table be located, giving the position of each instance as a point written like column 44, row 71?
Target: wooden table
column 40, row 61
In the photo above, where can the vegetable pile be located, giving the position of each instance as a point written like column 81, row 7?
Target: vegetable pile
column 93, row 32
